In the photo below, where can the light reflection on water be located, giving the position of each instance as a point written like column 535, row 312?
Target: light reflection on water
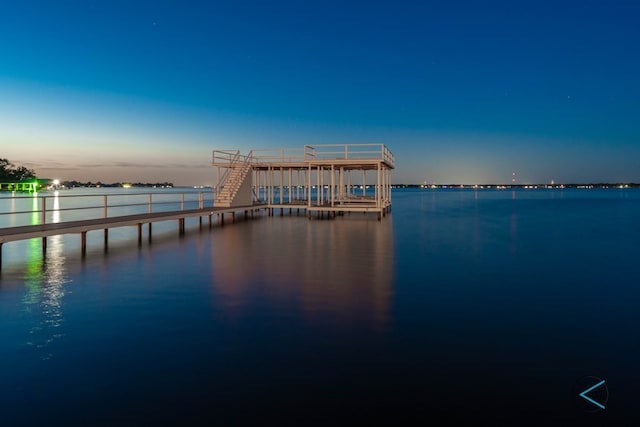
column 44, row 279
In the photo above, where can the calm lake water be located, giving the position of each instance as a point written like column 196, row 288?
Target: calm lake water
column 461, row 306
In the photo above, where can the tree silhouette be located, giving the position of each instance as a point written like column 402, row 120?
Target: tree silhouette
column 11, row 172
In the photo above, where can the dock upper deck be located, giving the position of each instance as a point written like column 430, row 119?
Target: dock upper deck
column 348, row 156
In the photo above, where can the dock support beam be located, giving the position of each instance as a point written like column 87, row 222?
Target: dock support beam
column 83, row 243
column 106, row 239
column 149, row 226
column 139, row 234
column 181, row 227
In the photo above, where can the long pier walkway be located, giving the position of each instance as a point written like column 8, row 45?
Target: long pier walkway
column 46, row 220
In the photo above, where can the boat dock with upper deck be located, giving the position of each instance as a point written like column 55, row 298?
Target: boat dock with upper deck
column 285, row 178
column 326, row 180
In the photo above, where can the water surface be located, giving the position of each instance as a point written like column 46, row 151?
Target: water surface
column 462, row 305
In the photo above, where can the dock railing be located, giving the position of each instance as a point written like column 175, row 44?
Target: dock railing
column 281, row 155
column 229, row 158
column 349, row 152
column 51, row 208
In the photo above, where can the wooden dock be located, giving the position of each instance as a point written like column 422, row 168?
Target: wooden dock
column 326, row 180
column 82, row 227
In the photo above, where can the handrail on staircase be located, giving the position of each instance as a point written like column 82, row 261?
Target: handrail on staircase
column 224, row 155
column 229, row 160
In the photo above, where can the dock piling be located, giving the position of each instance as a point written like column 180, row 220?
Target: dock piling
column 83, row 243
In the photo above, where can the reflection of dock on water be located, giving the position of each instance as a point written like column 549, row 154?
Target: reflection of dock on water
column 344, row 269
column 330, row 179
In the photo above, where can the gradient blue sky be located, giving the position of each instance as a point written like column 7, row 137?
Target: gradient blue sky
column 462, row 92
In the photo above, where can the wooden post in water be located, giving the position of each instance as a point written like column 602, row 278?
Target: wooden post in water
column 281, row 195
column 290, row 184
column 149, row 226
column 83, row 243
column 139, row 234
column 106, row 239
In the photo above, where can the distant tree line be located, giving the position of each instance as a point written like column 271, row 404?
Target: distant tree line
column 11, row 172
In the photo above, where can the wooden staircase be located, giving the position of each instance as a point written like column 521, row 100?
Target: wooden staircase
column 234, row 180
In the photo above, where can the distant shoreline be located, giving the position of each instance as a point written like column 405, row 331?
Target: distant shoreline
column 78, row 184
column 74, row 184
column 519, row 186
